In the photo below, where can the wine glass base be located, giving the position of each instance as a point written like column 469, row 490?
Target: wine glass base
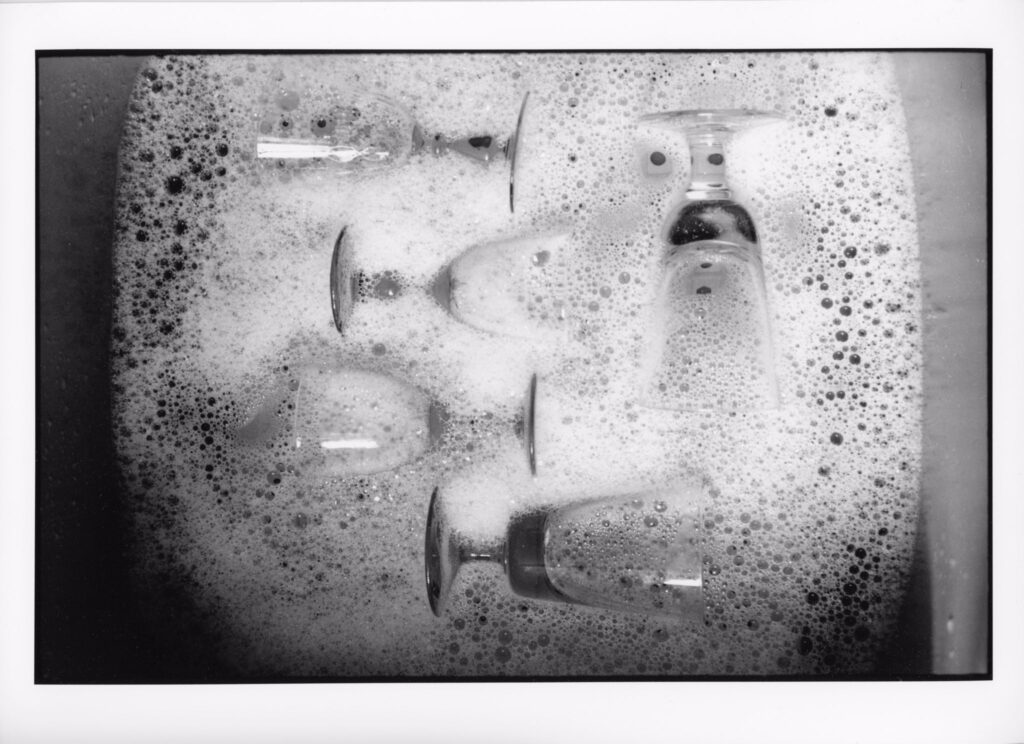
column 441, row 560
column 342, row 294
column 716, row 120
column 511, row 150
column 525, row 425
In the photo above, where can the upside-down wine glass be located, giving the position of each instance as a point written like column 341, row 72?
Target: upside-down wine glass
column 638, row 552
column 711, row 342
column 361, row 131
column 348, row 421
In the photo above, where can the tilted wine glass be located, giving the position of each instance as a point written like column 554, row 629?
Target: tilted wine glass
column 711, row 341
column 362, row 131
column 638, row 552
column 513, row 286
column 349, row 421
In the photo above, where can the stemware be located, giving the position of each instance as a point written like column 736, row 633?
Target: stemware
column 634, row 553
column 711, row 344
column 348, row 421
column 514, row 287
column 361, row 131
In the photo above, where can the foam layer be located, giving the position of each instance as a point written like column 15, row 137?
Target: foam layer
column 222, row 278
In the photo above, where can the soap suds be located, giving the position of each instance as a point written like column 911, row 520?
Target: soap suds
column 222, row 277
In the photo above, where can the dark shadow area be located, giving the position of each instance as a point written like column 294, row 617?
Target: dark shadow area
column 909, row 652
column 89, row 627
column 947, row 100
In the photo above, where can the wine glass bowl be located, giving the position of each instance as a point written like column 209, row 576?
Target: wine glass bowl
column 512, row 287
column 357, row 131
column 352, row 422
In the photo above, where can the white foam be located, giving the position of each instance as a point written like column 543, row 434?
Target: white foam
column 336, row 562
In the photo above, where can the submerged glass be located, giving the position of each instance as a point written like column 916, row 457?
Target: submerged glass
column 346, row 421
column 711, row 342
column 633, row 553
column 361, row 131
column 351, row 422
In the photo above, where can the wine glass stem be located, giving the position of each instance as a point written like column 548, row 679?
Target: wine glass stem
column 484, row 148
column 494, row 553
column 707, row 166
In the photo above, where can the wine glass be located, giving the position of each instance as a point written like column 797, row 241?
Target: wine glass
column 348, row 421
column 711, row 345
column 361, row 131
column 634, row 553
column 514, row 286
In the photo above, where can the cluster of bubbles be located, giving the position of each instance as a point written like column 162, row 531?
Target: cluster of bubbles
column 222, row 269
column 714, row 346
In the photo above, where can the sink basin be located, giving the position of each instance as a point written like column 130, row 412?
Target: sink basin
column 83, row 580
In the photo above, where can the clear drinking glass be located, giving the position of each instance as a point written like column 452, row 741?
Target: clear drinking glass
column 346, row 421
column 633, row 553
column 711, row 343
column 361, row 131
column 514, row 287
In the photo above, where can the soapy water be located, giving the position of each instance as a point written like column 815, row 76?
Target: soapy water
column 222, row 273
